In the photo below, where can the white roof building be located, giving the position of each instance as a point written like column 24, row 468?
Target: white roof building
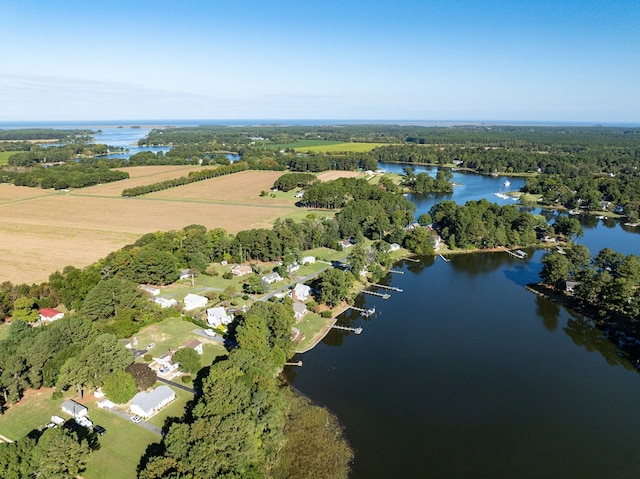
column 218, row 316
column 271, row 278
column 300, row 292
column 165, row 302
column 308, row 260
column 74, row 409
column 146, row 404
column 193, row 301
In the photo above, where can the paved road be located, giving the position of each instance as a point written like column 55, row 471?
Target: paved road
column 177, row 385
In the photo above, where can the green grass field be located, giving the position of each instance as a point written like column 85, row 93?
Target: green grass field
column 351, row 147
column 4, row 156
column 175, row 409
column 310, row 324
column 297, row 144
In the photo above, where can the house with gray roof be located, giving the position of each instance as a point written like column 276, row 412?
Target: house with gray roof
column 74, row 409
column 146, row 404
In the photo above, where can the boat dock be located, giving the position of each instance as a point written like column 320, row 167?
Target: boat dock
column 375, row 293
column 395, row 271
column 364, row 312
column 345, row 328
column 517, row 253
column 299, row 363
column 447, row 260
column 412, row 259
column 384, row 286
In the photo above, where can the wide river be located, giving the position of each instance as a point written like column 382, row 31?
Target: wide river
column 465, row 374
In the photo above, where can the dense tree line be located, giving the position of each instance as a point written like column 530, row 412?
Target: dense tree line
column 423, row 183
column 606, row 286
column 64, row 176
column 481, row 224
column 185, row 180
column 289, row 181
column 64, row 136
column 37, row 154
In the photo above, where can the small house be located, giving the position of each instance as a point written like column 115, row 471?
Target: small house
column 271, row 278
column 299, row 310
column 394, row 247
column 48, row 315
column 74, row 409
column 194, row 301
column 186, row 274
column 164, row 364
column 570, row 286
column 194, row 344
column 345, row 244
column 149, row 289
column 105, row 404
column 240, row 270
column 218, row 316
column 293, row 267
column 300, row 292
column 165, row 302
column 299, row 194
column 308, row 260
column 146, row 404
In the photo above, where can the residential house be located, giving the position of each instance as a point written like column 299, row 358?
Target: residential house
column 299, row 194
column 164, row 364
column 293, row 267
column 271, row 278
column 105, row 404
column 299, row 310
column 165, row 302
column 74, row 409
column 218, row 316
column 394, row 247
column 193, row 344
column 300, row 292
column 146, row 404
column 48, row 315
column 241, row 270
column 308, row 260
column 149, row 289
column 345, row 244
column 570, row 286
column 193, row 301
column 186, row 274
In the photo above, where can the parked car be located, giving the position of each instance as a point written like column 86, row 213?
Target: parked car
column 136, row 419
column 99, row 429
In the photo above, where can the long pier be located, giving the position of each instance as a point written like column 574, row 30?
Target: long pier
column 384, row 286
column 395, row 271
column 345, row 328
column 299, row 363
column 375, row 293
column 518, row 253
column 412, row 259
column 364, row 312
column 447, row 260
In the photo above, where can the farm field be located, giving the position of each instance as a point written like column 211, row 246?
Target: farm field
column 46, row 230
column 340, row 147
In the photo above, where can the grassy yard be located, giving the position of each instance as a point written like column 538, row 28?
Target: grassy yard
column 310, row 324
column 33, row 411
column 4, row 156
column 174, row 409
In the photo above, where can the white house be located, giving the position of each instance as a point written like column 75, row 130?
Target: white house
column 165, row 302
column 300, row 292
column 308, row 260
column 394, row 247
column 49, row 314
column 149, row 289
column 164, row 364
column 218, row 316
column 146, row 404
column 105, row 404
column 271, row 278
column 299, row 310
column 185, row 274
column 241, row 270
column 74, row 409
column 293, row 267
column 194, row 344
column 193, row 301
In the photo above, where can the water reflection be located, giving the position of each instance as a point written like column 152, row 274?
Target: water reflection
column 549, row 311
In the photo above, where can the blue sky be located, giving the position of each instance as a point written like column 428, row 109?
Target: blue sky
column 563, row 60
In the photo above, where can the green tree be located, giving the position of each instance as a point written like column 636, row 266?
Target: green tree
column 119, row 386
column 25, row 309
column 58, row 456
column 555, row 269
column 188, row 359
column 334, row 286
column 109, row 296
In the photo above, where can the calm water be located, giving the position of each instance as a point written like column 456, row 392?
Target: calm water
column 467, row 375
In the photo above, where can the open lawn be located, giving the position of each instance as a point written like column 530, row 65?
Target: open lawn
column 350, row 147
column 297, row 144
column 32, row 412
column 310, row 324
column 4, row 156
column 175, row 409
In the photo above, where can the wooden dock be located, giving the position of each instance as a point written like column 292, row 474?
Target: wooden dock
column 375, row 293
column 364, row 312
column 299, row 363
column 395, row 271
column 384, row 286
column 447, row 260
column 412, row 260
column 345, row 328
column 517, row 253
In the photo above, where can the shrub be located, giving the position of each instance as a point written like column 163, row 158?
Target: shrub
column 228, row 275
column 186, row 379
column 57, row 394
column 120, row 387
column 326, row 313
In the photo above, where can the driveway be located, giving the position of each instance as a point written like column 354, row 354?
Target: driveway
column 144, row 424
